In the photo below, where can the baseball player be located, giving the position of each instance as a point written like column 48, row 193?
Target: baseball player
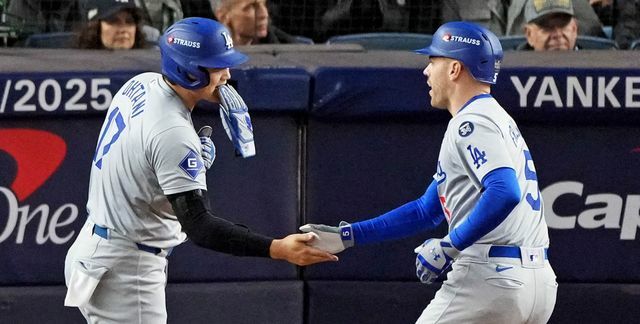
column 147, row 190
column 485, row 186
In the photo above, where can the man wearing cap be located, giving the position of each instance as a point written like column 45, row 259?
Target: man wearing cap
column 550, row 26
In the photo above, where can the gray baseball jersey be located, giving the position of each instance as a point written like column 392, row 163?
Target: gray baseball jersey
column 483, row 287
column 147, row 149
column 482, row 137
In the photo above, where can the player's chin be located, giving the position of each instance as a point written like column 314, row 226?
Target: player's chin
column 215, row 94
column 433, row 103
column 436, row 104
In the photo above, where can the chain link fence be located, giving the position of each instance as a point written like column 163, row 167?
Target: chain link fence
column 320, row 20
column 315, row 19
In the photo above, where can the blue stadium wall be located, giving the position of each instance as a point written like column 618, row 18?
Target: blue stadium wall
column 341, row 134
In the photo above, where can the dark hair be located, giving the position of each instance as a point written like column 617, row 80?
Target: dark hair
column 88, row 35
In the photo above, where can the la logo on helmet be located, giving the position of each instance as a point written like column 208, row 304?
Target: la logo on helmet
column 228, row 41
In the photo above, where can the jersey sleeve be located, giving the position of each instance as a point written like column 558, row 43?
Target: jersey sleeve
column 175, row 155
column 481, row 146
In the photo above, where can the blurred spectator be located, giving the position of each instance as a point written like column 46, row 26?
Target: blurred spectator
column 588, row 22
column 604, row 10
column 627, row 22
column 248, row 22
column 364, row 16
column 43, row 16
column 160, row 14
column 623, row 16
column 112, row 24
column 323, row 19
column 491, row 13
column 351, row 16
column 196, row 8
column 506, row 17
column 550, row 25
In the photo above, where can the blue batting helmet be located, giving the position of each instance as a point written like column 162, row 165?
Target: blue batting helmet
column 473, row 45
column 191, row 45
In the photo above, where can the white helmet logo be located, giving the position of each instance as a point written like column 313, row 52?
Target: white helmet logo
column 228, row 41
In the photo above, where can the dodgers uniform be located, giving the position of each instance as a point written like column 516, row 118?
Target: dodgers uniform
column 486, row 188
column 147, row 149
column 490, row 282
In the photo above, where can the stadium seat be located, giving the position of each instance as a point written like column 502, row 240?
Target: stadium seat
column 635, row 45
column 303, row 40
column 608, row 31
column 50, row 40
column 510, row 43
column 584, row 42
column 384, row 41
column 590, row 42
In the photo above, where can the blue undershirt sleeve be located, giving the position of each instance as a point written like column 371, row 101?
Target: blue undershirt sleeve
column 501, row 195
column 419, row 215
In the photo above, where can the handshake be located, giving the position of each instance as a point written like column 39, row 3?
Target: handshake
column 433, row 258
column 333, row 239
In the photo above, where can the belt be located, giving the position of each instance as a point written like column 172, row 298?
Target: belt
column 104, row 233
column 498, row 251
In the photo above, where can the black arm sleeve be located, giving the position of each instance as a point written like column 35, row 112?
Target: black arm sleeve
column 211, row 232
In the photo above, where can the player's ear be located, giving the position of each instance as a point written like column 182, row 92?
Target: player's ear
column 455, row 69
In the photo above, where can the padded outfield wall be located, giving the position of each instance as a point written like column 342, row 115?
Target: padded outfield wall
column 341, row 134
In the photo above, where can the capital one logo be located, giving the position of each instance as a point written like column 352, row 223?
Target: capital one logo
column 606, row 210
column 37, row 154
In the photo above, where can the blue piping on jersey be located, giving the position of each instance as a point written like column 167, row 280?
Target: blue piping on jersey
column 419, row 215
column 474, row 98
column 500, row 197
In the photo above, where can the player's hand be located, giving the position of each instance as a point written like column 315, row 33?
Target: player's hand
column 295, row 249
column 435, row 256
column 235, row 118
column 333, row 239
column 208, row 149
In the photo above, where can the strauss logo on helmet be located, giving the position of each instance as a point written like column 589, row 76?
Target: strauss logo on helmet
column 183, row 42
column 447, row 37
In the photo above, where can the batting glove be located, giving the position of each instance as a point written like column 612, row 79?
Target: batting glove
column 435, row 256
column 332, row 239
column 234, row 114
column 208, row 149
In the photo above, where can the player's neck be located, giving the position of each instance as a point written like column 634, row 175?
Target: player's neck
column 185, row 95
column 463, row 93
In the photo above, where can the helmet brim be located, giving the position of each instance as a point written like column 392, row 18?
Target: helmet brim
column 227, row 60
column 430, row 51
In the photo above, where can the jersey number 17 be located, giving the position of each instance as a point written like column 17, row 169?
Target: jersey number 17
column 115, row 126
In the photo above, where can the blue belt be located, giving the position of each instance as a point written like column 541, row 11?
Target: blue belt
column 498, row 251
column 104, row 233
